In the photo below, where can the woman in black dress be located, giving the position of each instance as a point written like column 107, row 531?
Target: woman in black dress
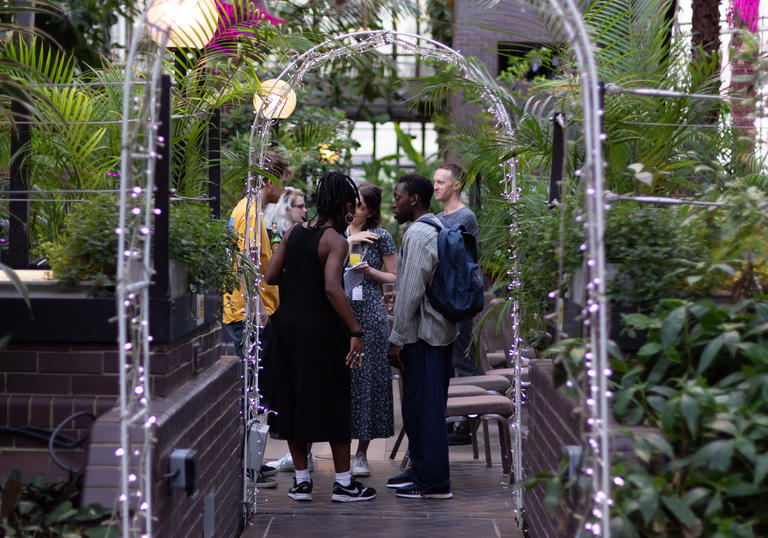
column 316, row 339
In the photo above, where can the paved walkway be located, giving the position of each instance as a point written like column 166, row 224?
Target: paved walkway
column 482, row 506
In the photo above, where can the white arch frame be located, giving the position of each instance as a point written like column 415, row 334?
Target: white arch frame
column 138, row 161
column 598, row 462
column 329, row 50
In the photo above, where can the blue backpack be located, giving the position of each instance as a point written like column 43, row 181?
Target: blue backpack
column 456, row 290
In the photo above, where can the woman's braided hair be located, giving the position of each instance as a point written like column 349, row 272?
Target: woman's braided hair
column 335, row 191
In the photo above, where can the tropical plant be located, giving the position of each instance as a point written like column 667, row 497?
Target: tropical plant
column 208, row 248
column 83, row 26
column 315, row 141
column 87, row 251
column 700, row 380
column 38, row 508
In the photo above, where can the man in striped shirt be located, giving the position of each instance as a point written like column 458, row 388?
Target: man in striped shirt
column 420, row 347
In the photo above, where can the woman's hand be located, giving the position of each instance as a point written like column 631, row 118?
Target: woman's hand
column 362, row 237
column 364, row 268
column 356, row 352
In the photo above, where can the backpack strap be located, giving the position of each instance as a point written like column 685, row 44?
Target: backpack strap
column 430, row 222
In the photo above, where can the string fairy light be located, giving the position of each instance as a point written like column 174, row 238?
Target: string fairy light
column 359, row 42
column 597, row 461
column 134, row 269
column 512, row 193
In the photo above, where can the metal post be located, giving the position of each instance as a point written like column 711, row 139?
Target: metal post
column 558, row 153
column 18, row 230
column 214, row 164
column 160, row 288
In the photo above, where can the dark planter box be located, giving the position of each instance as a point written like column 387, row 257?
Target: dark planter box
column 573, row 327
column 62, row 314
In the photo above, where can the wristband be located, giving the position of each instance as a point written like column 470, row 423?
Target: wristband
column 356, row 334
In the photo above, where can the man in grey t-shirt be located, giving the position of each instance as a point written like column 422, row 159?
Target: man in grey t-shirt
column 448, row 181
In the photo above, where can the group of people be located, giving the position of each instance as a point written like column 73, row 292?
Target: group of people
column 327, row 341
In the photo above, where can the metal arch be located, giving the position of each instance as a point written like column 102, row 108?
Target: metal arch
column 134, row 269
column 329, row 50
column 596, row 358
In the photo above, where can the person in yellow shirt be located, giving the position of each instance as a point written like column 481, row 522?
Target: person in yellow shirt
column 233, row 319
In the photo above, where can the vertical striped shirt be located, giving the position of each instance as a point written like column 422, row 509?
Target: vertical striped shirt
column 414, row 317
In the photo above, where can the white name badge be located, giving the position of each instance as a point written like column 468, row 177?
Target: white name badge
column 357, row 293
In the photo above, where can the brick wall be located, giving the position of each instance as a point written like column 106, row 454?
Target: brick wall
column 477, row 32
column 41, row 384
column 553, row 422
column 203, row 414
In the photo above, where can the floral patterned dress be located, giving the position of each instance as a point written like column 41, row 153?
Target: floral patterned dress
column 372, row 412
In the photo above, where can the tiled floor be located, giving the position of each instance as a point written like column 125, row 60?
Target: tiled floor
column 482, row 506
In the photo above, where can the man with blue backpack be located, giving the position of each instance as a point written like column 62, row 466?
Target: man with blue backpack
column 437, row 281
column 420, row 346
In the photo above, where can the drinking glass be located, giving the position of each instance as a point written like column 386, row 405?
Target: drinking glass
column 388, row 297
column 355, row 254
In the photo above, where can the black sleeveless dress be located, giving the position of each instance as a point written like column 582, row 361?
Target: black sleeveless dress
column 311, row 382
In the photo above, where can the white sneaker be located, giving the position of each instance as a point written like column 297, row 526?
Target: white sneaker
column 283, row 464
column 360, row 466
column 310, row 462
column 286, row 463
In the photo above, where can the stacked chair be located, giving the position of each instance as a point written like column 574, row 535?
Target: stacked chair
column 485, row 397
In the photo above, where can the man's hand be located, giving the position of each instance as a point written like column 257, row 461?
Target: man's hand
column 393, row 354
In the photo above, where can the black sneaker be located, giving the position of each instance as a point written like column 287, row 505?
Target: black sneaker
column 352, row 493
column 415, row 492
column 460, row 435
column 301, row 492
column 263, row 482
column 402, row 480
column 266, row 470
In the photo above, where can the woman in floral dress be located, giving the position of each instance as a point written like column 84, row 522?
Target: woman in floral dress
column 372, row 413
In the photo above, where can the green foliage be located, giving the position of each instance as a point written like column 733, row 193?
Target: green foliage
column 736, row 235
column 38, row 508
column 87, row 248
column 315, row 141
column 526, row 67
column 440, row 16
column 83, row 26
column 538, row 252
column 654, row 253
column 701, row 380
column 207, row 246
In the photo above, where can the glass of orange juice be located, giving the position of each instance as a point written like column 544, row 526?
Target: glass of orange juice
column 355, row 254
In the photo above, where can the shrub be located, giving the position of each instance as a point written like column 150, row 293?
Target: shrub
column 87, row 249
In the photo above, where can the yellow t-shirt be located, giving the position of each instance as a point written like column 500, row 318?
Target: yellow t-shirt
column 234, row 303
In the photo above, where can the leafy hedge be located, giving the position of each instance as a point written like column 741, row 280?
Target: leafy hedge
column 702, row 380
column 87, row 249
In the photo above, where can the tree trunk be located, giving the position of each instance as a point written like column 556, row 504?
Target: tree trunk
column 706, row 27
column 743, row 18
column 705, row 42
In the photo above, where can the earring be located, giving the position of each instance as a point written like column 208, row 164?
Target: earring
column 348, row 218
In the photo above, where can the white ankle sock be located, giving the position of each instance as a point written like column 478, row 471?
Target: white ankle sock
column 345, row 479
column 302, row 476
